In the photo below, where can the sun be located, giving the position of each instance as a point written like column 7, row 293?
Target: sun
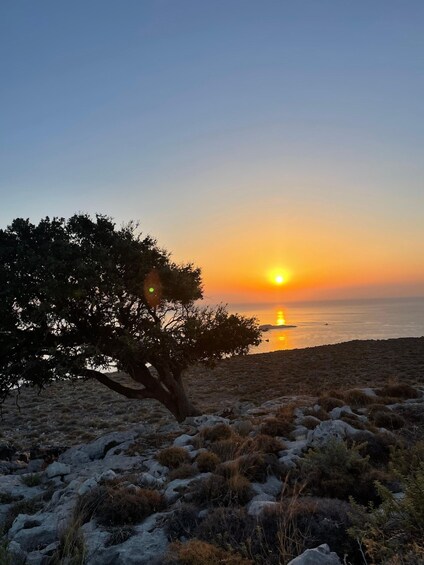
column 279, row 279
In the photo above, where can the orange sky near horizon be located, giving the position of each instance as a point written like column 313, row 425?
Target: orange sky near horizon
column 320, row 253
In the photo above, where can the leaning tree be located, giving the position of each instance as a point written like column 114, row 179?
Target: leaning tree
column 82, row 298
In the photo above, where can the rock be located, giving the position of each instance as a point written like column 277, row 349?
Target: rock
column 147, row 546
column 272, row 486
column 148, row 480
column 369, row 392
column 335, row 413
column 182, row 441
column 300, row 433
column 35, row 466
column 288, row 461
column 320, row 555
column 17, row 553
column 34, row 532
column 156, row 469
column 57, row 469
column 294, row 447
column 108, row 475
column 96, row 449
column 175, row 489
column 262, row 497
column 13, row 486
column 206, row 421
column 256, row 507
column 86, row 486
column 330, row 429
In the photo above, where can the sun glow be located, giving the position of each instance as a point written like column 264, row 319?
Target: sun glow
column 279, row 279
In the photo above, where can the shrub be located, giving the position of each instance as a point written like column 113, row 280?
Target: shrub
column 172, row 457
column 387, row 419
column 226, row 449
column 119, row 534
column 243, row 427
column 329, row 402
column 357, row 397
column 182, row 522
column 261, row 443
column 71, row 549
column 258, row 466
column 276, row 427
column 353, row 421
column 377, row 447
column 116, row 505
column 32, row 480
column 222, row 491
column 207, row 461
column 396, row 528
column 321, row 414
column 185, row 471
column 227, row 527
column 217, row 432
column 403, row 391
column 405, row 461
column 196, row 552
column 310, row 422
column 338, row 471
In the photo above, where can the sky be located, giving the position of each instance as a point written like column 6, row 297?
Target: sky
column 252, row 138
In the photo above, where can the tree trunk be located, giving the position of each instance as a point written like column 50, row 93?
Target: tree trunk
column 179, row 404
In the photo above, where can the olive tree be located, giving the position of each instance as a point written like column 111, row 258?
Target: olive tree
column 83, row 298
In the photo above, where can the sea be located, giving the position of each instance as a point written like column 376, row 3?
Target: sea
column 323, row 323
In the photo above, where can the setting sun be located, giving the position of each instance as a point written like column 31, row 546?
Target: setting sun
column 279, row 279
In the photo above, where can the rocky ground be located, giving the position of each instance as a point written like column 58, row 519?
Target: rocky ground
column 292, row 448
column 65, row 414
column 270, row 484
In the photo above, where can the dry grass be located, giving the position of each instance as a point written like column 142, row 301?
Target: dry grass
column 207, row 461
column 66, row 414
column 196, row 552
column 173, row 457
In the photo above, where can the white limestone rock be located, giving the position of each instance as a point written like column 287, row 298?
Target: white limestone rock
column 183, row 440
column 257, row 507
column 320, row 555
column 329, row 429
column 57, row 469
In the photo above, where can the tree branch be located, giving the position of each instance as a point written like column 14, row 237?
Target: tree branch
column 129, row 392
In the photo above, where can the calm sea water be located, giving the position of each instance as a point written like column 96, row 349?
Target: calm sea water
column 322, row 323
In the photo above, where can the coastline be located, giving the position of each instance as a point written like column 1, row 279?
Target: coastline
column 68, row 414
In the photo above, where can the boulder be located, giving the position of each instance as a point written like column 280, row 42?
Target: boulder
column 182, row 441
column 34, row 532
column 320, row 555
column 257, row 507
column 328, row 429
column 146, row 547
column 57, row 469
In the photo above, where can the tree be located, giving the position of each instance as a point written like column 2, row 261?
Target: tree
column 81, row 298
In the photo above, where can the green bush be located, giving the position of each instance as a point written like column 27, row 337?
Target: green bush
column 396, row 528
column 338, row 470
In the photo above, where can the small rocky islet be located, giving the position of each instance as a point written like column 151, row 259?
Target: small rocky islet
column 274, row 483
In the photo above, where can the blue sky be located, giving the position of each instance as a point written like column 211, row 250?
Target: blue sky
column 203, row 118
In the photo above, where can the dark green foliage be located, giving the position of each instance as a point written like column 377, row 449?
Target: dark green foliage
column 338, row 471
column 80, row 294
